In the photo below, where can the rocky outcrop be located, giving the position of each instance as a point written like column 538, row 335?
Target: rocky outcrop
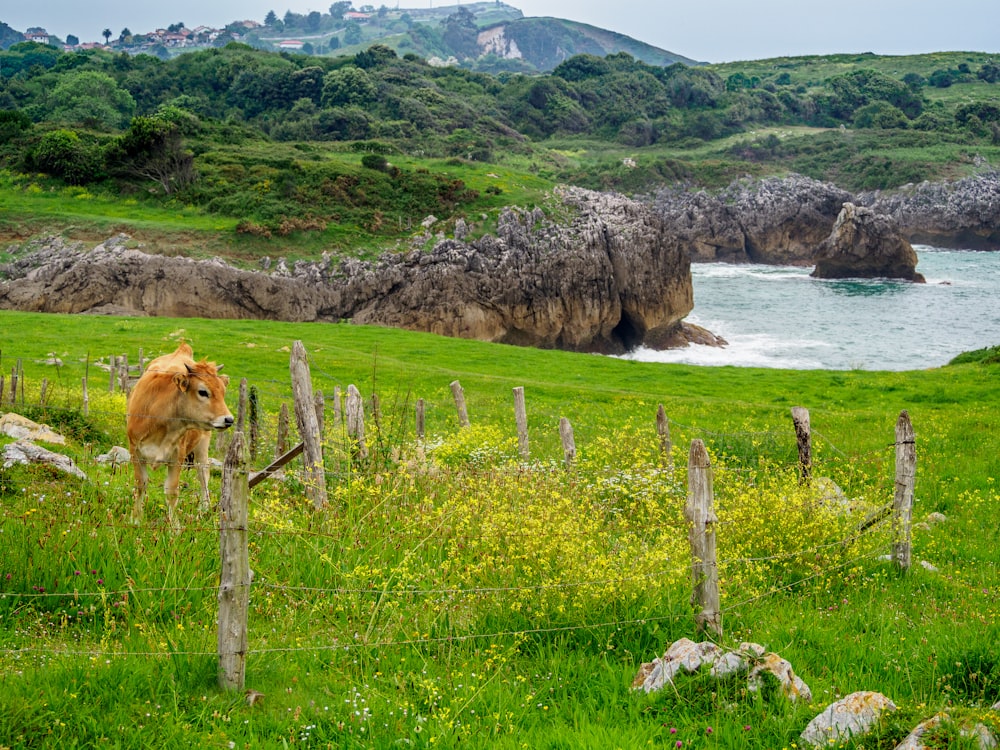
column 778, row 221
column 783, row 221
column 609, row 280
column 865, row 244
column 964, row 214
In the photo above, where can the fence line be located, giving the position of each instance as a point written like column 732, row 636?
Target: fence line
column 701, row 521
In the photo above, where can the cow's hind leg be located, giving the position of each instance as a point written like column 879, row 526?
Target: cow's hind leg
column 141, row 482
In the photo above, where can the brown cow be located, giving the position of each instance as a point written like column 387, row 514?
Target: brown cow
column 171, row 413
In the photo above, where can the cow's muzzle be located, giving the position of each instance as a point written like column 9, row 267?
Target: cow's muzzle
column 223, row 423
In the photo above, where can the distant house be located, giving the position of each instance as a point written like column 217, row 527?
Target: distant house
column 40, row 36
column 289, row 44
column 353, row 15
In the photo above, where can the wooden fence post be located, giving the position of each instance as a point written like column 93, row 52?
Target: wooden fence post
column 803, row 437
column 699, row 512
column 906, row 470
column 521, row 419
column 241, row 407
column 305, row 418
column 281, row 444
column 356, row 420
column 663, row 430
column 41, row 397
column 253, row 409
column 568, row 443
column 13, row 386
column 336, row 406
column 459, row 394
column 112, row 369
column 420, row 419
column 320, row 403
column 234, row 581
column 2, row 389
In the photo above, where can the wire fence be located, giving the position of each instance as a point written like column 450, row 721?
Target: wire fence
column 409, row 530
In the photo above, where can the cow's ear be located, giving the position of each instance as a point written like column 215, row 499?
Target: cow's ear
column 182, row 381
column 224, row 379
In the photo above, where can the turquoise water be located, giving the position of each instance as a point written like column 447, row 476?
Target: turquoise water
column 777, row 316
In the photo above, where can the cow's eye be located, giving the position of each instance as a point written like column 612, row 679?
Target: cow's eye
column 203, row 392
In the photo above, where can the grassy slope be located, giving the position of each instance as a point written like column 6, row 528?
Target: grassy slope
column 924, row 639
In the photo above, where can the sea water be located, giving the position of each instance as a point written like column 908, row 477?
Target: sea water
column 778, row 316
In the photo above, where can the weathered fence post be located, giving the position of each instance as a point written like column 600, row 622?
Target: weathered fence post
column 803, row 437
column 320, row 403
column 281, row 443
column 41, row 396
column 123, row 381
column 2, row 389
column 906, row 470
column 459, row 394
column 305, row 418
column 13, row 385
column 521, row 419
column 699, row 512
column 234, row 581
column 663, row 430
column 113, row 371
column 253, row 409
column 336, row 406
column 568, row 443
column 356, row 420
column 241, row 408
column 420, row 419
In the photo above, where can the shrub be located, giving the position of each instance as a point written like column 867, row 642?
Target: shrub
column 63, row 154
column 375, row 161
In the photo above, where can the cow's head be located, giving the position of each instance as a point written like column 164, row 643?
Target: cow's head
column 203, row 396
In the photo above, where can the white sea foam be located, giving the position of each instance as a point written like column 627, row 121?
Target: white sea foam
column 778, row 316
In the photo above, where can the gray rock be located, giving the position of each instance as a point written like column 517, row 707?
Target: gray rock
column 849, row 717
column 865, row 244
column 26, row 452
column 612, row 278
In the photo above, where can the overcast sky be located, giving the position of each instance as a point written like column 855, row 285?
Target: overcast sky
column 705, row 30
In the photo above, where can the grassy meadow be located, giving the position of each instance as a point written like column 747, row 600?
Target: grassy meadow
column 454, row 594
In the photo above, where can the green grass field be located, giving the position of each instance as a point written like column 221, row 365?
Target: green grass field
column 455, row 595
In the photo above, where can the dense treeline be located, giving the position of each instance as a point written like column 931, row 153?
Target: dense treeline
column 87, row 117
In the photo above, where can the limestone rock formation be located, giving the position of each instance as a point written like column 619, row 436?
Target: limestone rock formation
column 613, row 278
column 865, row 244
column 778, row 221
column 964, row 214
column 784, row 220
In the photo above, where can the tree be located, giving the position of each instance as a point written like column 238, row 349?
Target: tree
column 337, row 10
column 107, row 35
column 348, row 85
column 313, row 20
column 152, row 149
column 125, row 35
column 72, row 40
column 92, row 99
column 352, row 33
column 271, row 18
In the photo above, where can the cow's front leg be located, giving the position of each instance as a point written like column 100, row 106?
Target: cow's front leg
column 201, row 463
